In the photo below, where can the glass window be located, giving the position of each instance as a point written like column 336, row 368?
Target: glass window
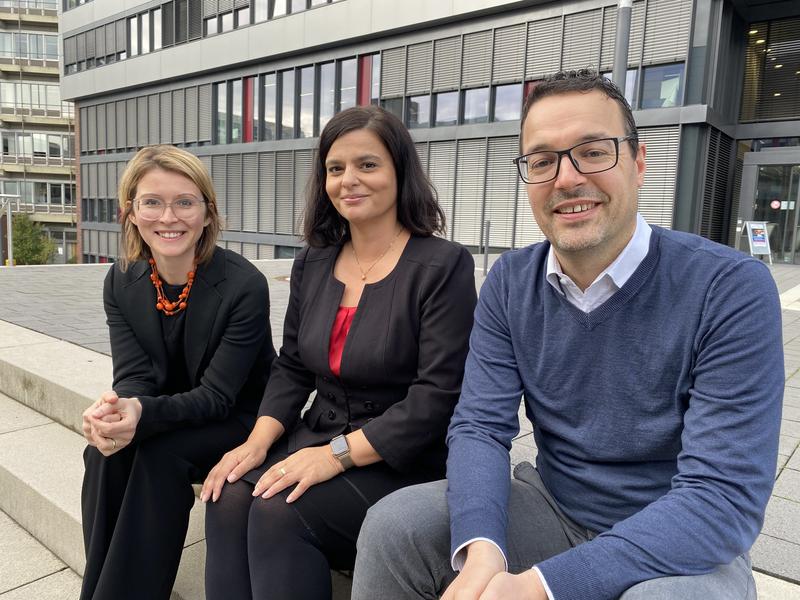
column 419, row 111
column 394, row 106
column 40, row 192
column 507, row 102
column 55, row 193
column 21, row 45
column 327, row 93
column 69, row 193
column 226, row 22
column 145, row 24
column 306, row 102
column 9, row 142
column 287, row 104
column 376, row 79
column 53, row 97
column 156, row 29
column 54, row 146
column 446, row 108
column 298, row 5
column 347, row 90
column 242, row 17
column 133, row 35
column 222, row 113
column 40, row 145
column 476, row 105
column 270, row 112
column 236, row 111
column 319, row 2
column 662, row 86
column 260, row 10
column 6, row 45
column 631, row 78
column 278, row 8
column 210, row 26
column 35, row 49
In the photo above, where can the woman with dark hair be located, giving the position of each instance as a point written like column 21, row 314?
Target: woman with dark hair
column 378, row 321
column 191, row 350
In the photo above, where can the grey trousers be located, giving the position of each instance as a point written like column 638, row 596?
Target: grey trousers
column 404, row 547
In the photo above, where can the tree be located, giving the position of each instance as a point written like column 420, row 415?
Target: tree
column 32, row 246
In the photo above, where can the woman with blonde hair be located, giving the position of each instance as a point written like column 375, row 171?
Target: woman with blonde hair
column 191, row 349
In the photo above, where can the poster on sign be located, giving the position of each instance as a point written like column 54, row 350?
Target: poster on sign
column 758, row 238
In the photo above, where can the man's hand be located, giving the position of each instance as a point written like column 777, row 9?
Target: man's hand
column 525, row 586
column 484, row 562
column 113, row 423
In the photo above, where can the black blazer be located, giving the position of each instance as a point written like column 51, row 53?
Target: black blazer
column 227, row 341
column 403, row 360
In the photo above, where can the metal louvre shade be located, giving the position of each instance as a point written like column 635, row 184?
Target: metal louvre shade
column 178, row 127
column 209, row 8
column 713, row 217
column 476, row 65
column 84, row 124
column 234, row 192
column 122, row 136
column 420, row 66
column 130, row 121
column 509, row 53
column 142, row 120
column 204, row 112
column 191, row 114
column 219, row 176
column 102, row 130
column 266, row 181
column 250, row 192
column 470, row 179
column 111, row 130
column 446, row 63
column 422, row 153
column 302, row 171
column 657, row 195
column 284, row 193
column 70, row 50
column 666, row 36
column 442, row 172
column 165, row 118
column 501, row 190
column 393, row 71
column 582, row 40
column 544, row 48
column 152, row 119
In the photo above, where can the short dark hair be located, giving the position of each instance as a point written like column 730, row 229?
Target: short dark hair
column 418, row 208
column 583, row 81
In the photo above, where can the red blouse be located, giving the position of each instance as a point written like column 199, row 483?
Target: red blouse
column 339, row 331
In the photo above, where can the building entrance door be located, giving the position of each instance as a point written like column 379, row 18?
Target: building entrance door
column 777, row 202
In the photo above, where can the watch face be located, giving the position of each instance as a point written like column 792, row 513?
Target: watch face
column 339, row 445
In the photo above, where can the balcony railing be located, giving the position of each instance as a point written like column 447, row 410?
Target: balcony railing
column 30, row 208
column 43, row 161
column 26, row 61
column 32, row 6
column 65, row 111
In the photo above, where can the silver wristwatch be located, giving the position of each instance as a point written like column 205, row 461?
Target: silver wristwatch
column 341, row 450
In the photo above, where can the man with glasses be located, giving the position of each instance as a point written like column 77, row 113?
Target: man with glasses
column 650, row 363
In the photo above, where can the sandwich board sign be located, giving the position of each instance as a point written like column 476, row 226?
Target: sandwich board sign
column 758, row 239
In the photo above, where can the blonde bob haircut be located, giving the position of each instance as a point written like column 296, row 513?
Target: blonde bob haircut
column 168, row 158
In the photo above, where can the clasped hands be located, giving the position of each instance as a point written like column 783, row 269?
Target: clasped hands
column 306, row 467
column 484, row 578
column 110, row 423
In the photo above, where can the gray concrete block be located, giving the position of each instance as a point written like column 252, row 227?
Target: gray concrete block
column 790, row 428
column 788, row 444
column 791, row 413
column 14, row 416
column 776, row 557
column 24, row 559
column 794, row 460
column 782, row 521
column 772, row 588
column 64, row 585
column 788, row 486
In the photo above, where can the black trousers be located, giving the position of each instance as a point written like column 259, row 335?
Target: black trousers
column 268, row 549
column 136, row 504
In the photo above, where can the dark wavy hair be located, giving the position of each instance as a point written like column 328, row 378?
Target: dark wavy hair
column 584, row 81
column 418, row 207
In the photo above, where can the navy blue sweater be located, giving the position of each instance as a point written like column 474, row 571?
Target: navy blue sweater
column 656, row 415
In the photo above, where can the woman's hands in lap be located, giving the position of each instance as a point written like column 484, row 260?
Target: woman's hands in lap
column 305, row 468
column 110, row 423
column 232, row 466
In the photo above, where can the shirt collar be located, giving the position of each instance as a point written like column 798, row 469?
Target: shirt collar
column 623, row 266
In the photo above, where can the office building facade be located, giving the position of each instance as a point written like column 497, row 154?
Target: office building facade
column 248, row 84
column 37, row 164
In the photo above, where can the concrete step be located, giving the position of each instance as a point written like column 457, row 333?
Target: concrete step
column 45, row 385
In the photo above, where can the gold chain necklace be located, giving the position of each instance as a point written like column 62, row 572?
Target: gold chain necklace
column 377, row 260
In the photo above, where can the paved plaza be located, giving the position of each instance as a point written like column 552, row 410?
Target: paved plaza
column 64, row 302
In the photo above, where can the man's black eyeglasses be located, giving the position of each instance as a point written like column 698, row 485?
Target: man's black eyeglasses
column 594, row 156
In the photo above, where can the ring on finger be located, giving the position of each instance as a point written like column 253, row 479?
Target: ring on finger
column 113, row 443
column 282, row 471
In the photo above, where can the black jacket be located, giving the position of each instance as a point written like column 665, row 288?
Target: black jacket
column 403, row 360
column 227, row 341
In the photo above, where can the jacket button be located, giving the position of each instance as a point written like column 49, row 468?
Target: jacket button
column 326, row 379
column 331, row 396
column 332, row 414
column 369, row 406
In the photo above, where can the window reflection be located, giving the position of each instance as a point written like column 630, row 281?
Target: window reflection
column 222, row 113
column 507, row 102
column 419, row 111
column 270, row 111
column 236, row 111
column 347, row 91
column 327, row 92
column 394, row 106
column 446, row 108
column 376, row 78
column 287, row 104
column 476, row 105
column 662, row 86
column 306, row 102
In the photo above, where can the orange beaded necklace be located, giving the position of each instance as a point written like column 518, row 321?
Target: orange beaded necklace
column 163, row 304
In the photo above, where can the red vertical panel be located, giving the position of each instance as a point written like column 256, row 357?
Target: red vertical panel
column 529, row 86
column 364, row 89
column 247, row 113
